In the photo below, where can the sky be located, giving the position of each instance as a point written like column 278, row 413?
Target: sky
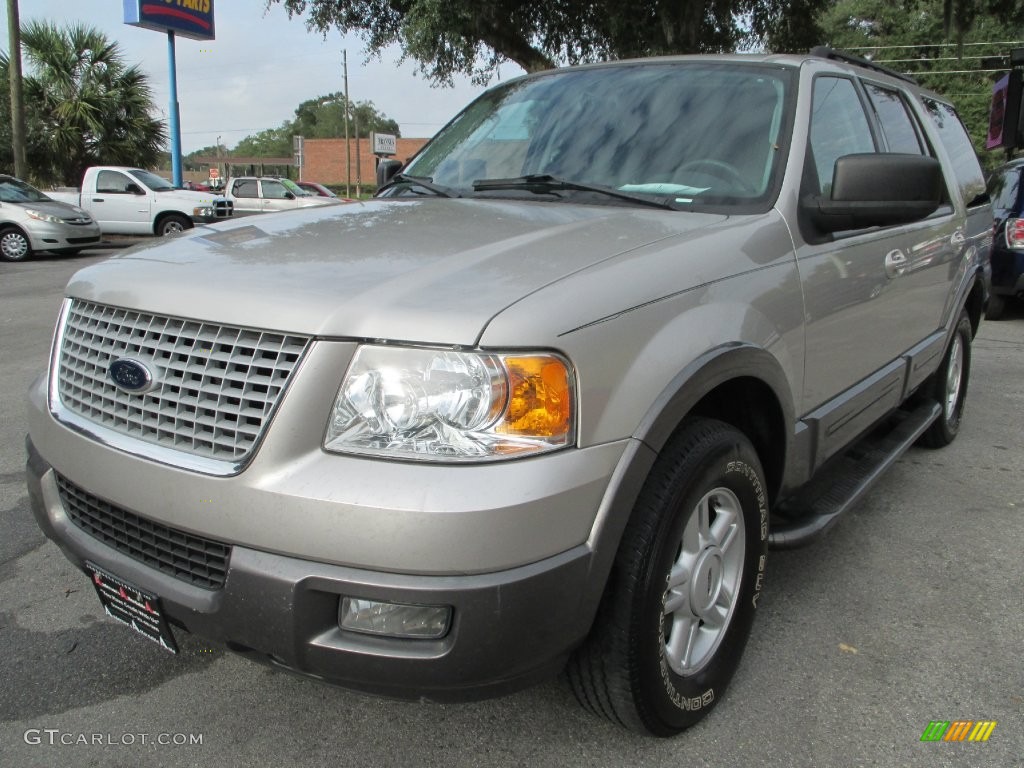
column 259, row 68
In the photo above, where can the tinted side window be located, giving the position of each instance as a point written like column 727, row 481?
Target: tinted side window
column 953, row 135
column 112, row 183
column 273, row 190
column 1004, row 189
column 897, row 124
column 838, row 127
column 244, row 188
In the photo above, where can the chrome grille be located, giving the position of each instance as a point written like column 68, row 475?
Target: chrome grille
column 215, row 390
column 197, row 560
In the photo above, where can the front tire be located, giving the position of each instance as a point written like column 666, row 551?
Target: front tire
column 172, row 224
column 14, row 245
column 948, row 386
column 681, row 596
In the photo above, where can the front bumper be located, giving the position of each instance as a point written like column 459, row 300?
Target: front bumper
column 508, row 629
column 47, row 236
column 213, row 211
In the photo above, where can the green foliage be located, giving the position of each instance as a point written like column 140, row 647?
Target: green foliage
column 84, row 105
column 472, row 37
column 189, row 162
column 273, row 142
column 319, row 118
column 324, row 118
column 908, row 36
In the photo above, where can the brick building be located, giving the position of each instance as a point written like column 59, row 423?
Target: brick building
column 325, row 159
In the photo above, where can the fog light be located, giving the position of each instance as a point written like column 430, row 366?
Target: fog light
column 394, row 619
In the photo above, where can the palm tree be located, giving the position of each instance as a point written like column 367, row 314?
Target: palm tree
column 84, row 105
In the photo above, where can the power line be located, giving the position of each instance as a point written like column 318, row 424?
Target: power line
column 924, row 60
column 928, row 45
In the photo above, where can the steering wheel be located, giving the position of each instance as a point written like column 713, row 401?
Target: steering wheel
column 718, row 169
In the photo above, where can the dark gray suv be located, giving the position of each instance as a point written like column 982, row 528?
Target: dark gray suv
column 614, row 331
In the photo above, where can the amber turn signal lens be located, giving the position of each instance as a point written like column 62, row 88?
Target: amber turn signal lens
column 540, row 397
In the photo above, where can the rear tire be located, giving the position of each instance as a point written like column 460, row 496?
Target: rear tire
column 996, row 307
column 680, row 599
column 948, row 386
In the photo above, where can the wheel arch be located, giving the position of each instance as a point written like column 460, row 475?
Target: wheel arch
column 739, row 384
column 164, row 215
column 975, row 304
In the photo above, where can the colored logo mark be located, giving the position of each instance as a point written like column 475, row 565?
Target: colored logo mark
column 958, row 730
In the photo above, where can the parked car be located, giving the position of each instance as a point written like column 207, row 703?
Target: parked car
column 31, row 221
column 550, row 401
column 315, row 189
column 133, row 201
column 266, row 194
column 1007, row 194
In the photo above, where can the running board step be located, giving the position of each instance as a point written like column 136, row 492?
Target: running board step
column 819, row 504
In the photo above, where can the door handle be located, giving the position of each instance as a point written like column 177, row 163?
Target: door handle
column 895, row 263
column 957, row 240
column 97, row 199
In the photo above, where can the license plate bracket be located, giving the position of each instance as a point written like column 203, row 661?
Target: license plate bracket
column 133, row 607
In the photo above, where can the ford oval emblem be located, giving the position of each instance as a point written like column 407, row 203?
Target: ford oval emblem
column 130, row 375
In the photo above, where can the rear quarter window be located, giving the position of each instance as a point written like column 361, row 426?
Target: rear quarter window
column 1004, row 188
column 969, row 178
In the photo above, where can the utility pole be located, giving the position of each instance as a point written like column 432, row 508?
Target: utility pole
column 348, row 146
column 359, row 154
column 17, row 103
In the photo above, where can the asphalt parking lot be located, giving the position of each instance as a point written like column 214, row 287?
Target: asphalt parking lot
column 911, row 610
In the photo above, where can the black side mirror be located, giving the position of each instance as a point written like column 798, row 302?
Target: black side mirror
column 386, row 170
column 289, row 195
column 133, row 189
column 878, row 190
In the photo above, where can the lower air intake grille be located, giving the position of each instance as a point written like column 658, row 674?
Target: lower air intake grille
column 193, row 559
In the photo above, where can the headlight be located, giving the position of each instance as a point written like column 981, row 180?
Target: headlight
column 40, row 216
column 203, row 211
column 443, row 405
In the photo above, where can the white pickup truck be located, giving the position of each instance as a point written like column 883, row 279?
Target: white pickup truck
column 131, row 201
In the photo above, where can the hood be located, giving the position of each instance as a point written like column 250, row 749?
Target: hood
column 56, row 208
column 315, row 200
column 429, row 271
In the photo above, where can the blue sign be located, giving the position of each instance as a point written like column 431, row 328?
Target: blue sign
column 188, row 18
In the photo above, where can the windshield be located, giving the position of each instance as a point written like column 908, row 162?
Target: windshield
column 14, row 191
column 700, row 133
column 151, row 180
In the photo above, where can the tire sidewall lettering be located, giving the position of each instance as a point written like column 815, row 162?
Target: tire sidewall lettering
column 748, row 487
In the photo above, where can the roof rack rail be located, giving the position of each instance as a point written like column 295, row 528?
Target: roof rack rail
column 823, row 51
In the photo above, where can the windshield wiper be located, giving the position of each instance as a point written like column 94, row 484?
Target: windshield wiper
column 545, row 182
column 420, row 181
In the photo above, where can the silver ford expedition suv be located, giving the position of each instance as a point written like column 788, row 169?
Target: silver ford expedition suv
column 545, row 402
